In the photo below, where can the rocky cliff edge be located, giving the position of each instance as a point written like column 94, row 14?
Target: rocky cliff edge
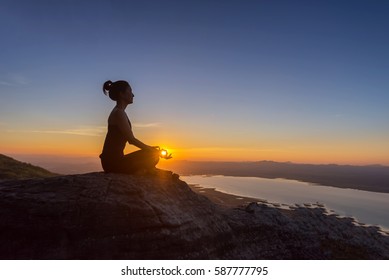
column 117, row 216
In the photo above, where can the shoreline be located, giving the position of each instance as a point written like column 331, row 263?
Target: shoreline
column 370, row 189
column 223, row 199
column 234, row 201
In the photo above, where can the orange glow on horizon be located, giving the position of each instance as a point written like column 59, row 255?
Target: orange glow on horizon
column 216, row 155
column 314, row 152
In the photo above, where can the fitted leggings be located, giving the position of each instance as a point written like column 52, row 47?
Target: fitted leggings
column 130, row 163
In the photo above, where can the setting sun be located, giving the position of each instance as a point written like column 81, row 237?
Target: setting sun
column 163, row 153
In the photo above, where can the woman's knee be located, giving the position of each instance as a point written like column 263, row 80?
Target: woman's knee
column 155, row 159
column 143, row 158
column 152, row 157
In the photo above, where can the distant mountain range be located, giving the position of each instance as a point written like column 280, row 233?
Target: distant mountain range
column 370, row 177
column 14, row 169
column 373, row 178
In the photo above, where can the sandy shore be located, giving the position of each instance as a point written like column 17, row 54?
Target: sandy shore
column 223, row 199
column 235, row 201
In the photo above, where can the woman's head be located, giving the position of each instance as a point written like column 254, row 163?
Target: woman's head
column 118, row 90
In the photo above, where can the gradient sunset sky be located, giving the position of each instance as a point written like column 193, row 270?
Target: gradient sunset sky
column 300, row 81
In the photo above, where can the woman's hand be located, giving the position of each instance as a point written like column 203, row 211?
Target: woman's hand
column 164, row 154
column 161, row 152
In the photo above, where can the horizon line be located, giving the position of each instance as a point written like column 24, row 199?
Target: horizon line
column 196, row 160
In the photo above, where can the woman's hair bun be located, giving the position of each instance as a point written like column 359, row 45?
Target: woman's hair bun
column 113, row 89
column 107, row 86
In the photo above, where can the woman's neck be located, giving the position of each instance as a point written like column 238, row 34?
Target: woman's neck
column 121, row 105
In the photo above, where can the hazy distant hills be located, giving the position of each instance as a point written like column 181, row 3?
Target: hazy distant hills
column 14, row 169
column 370, row 178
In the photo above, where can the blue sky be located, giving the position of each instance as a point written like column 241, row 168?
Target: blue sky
column 267, row 78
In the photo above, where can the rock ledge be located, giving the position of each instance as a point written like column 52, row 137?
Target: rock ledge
column 117, row 216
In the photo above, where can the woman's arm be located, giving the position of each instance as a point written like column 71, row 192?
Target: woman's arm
column 122, row 121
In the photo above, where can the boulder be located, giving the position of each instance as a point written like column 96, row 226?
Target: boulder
column 118, row 216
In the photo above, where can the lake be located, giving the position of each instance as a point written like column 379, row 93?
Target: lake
column 370, row 208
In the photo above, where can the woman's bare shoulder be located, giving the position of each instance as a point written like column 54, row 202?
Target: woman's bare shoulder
column 117, row 116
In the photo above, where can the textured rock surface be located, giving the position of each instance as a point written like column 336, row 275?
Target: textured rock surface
column 112, row 216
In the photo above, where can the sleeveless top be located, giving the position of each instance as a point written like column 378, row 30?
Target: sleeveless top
column 114, row 144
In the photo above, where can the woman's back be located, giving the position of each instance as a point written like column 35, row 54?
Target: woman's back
column 114, row 143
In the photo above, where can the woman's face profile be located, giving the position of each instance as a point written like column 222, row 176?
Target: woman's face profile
column 127, row 95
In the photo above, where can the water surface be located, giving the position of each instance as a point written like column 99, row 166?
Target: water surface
column 366, row 207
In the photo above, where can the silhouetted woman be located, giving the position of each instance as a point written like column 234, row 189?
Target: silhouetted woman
column 120, row 132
